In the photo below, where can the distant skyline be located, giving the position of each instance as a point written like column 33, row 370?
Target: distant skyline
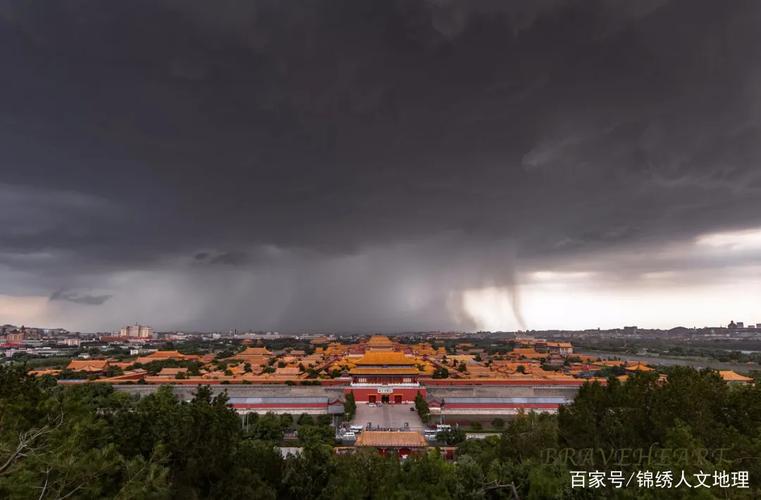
column 380, row 166
column 240, row 331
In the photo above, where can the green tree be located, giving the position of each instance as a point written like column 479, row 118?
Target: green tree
column 364, row 474
column 256, row 473
column 305, row 419
column 421, row 405
column 350, row 406
column 268, row 427
column 451, row 436
column 314, row 434
column 286, row 420
column 308, row 474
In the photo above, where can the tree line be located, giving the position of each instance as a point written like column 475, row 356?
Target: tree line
column 88, row 441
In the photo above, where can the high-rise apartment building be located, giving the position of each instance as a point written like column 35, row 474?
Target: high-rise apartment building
column 136, row 331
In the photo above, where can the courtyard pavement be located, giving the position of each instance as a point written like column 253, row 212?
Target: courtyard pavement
column 388, row 416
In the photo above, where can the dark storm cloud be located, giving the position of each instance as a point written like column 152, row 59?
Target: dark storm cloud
column 137, row 135
column 69, row 296
column 231, row 259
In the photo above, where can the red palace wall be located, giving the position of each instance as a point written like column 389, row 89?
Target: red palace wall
column 362, row 394
column 449, row 382
column 500, row 406
column 278, row 406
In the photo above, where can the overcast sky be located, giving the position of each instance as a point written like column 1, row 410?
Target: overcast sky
column 358, row 165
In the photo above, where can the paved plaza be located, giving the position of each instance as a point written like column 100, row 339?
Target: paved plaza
column 388, row 416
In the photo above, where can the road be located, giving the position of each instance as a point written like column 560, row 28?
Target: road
column 388, row 416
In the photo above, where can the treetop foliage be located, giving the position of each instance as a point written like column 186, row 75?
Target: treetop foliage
column 87, row 441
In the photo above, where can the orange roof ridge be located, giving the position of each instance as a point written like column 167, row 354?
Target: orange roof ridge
column 385, row 358
column 391, row 439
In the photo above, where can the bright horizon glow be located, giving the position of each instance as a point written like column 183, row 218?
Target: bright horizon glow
column 23, row 310
column 749, row 239
column 660, row 298
column 574, row 306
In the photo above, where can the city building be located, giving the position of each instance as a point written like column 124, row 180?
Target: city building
column 136, row 331
column 16, row 336
column 563, row 348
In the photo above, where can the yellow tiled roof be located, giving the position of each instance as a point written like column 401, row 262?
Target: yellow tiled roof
column 87, row 365
column 385, row 371
column 44, row 371
column 165, row 354
column 527, row 352
column 252, row 360
column 254, row 351
column 379, row 340
column 730, row 376
column 172, row 371
column 390, row 439
column 288, row 370
column 639, row 367
column 160, row 355
column 384, row 358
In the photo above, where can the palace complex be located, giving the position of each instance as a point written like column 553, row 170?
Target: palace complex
column 460, row 382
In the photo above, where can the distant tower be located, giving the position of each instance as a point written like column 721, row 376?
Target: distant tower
column 136, row 331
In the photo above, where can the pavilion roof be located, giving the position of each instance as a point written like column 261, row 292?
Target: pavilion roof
column 384, row 358
column 161, row 355
column 254, row 351
column 638, row 367
column 87, row 365
column 391, row 439
column 171, row 372
column 379, row 340
column 730, row 376
column 527, row 352
column 288, row 370
column 402, row 370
